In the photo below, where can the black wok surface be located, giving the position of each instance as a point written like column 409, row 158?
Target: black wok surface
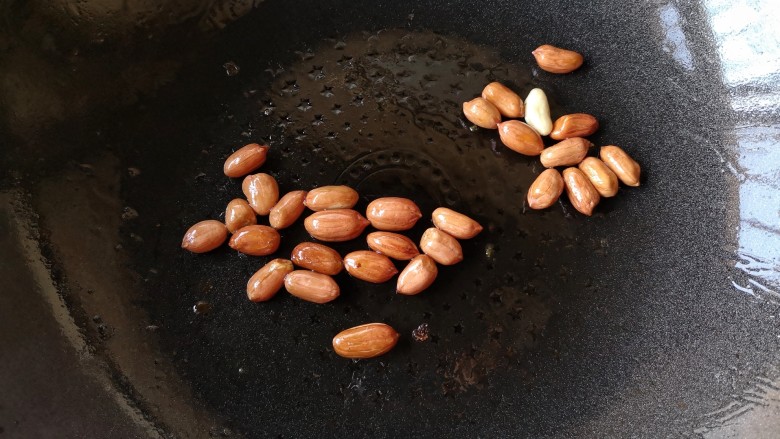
column 656, row 317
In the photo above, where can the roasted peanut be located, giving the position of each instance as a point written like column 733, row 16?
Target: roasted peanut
column 245, row 160
column 520, row 137
column 574, row 125
column 569, row 152
column 239, row 214
column 417, row 276
column 508, row 103
column 331, row 197
column 369, row 266
column 261, row 191
column 456, row 224
column 583, row 196
column 365, row 341
column 482, row 113
column 626, row 168
column 442, row 247
column 601, row 177
column 311, row 286
column 545, row 190
column 556, row 60
column 255, row 240
column 204, row 236
column 392, row 245
column 287, row 211
column 267, row 281
column 393, row 213
column 537, row 112
column 317, row 257
column 335, row 225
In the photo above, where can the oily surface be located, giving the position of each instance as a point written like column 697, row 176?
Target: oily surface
column 548, row 328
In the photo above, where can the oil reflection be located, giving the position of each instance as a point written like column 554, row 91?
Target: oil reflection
column 748, row 42
column 674, row 37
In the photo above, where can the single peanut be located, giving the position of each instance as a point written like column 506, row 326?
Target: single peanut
column 331, row 197
column 369, row 266
column 311, row 286
column 626, row 168
column 442, row 247
column 392, row 245
column 287, row 210
column 456, row 224
column 482, row 113
column 601, row 177
column 417, row 276
column 574, row 125
column 204, row 236
column 365, row 341
column 393, row 213
column 245, row 160
column 508, row 103
column 583, row 196
column 267, row 281
column 335, row 225
column 545, row 190
column 569, row 152
column 520, row 137
column 261, row 191
column 255, row 240
column 537, row 112
column 317, row 257
column 239, row 214
column 556, row 60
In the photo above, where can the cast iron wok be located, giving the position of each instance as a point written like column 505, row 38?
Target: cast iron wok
column 653, row 318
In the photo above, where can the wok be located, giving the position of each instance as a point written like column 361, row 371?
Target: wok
column 656, row 317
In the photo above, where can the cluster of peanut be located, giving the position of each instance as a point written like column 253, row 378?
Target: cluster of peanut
column 333, row 220
column 586, row 179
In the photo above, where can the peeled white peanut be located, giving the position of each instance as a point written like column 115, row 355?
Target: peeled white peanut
column 537, row 112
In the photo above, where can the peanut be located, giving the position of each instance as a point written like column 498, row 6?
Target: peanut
column 392, row 245
column 261, row 191
column 239, row 214
column 365, row 341
column 311, row 286
column 456, row 224
column 417, row 276
column 204, row 236
column 545, row 190
column 245, row 160
column 508, row 103
column 255, row 240
column 331, row 197
column 267, row 281
column 369, row 266
column 393, row 213
column 574, row 125
column 537, row 112
column 556, row 60
column 287, row 211
column 317, row 257
column 482, row 113
column 520, row 137
column 442, row 247
column 583, row 196
column 601, row 177
column 626, row 168
column 569, row 152
column 335, row 225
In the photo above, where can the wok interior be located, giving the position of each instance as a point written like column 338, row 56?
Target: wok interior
column 553, row 324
